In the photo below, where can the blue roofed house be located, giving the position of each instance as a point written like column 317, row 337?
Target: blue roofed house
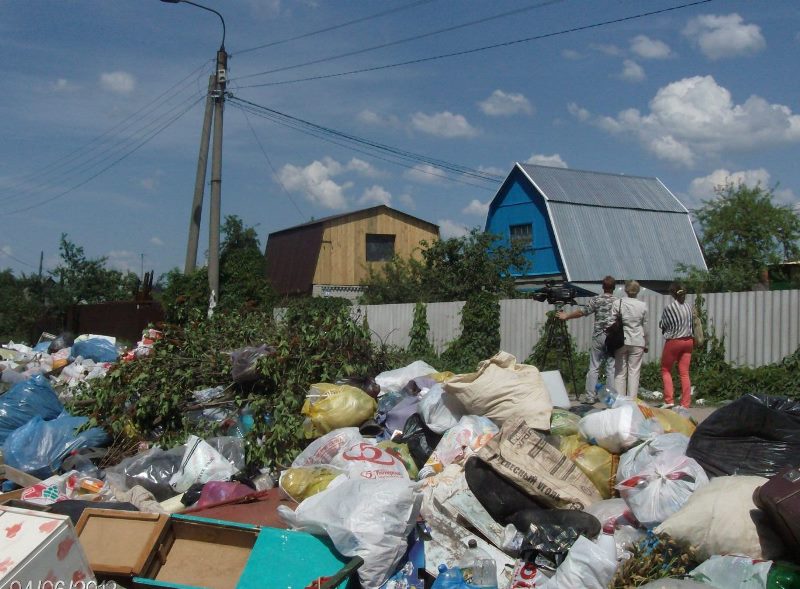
column 580, row 226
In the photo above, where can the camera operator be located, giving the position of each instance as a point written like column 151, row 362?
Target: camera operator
column 600, row 305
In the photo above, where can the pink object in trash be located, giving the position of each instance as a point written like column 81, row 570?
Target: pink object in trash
column 219, row 491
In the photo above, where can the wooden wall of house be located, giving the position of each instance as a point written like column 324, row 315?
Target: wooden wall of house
column 343, row 255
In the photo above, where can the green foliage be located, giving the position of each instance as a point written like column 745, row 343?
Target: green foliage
column 742, row 232
column 242, row 281
column 450, row 270
column 480, row 334
column 420, row 346
column 548, row 359
column 23, row 305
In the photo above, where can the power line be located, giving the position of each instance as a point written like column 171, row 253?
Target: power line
column 335, row 27
column 269, row 162
column 111, row 165
column 405, row 40
column 16, row 259
column 483, row 48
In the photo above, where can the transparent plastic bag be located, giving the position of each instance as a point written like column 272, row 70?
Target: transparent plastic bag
column 337, row 407
column 639, row 457
column 618, row 428
column 596, row 463
column 724, row 572
column 201, row 463
column 244, row 361
column 301, row 482
column 323, row 450
column 439, row 412
column 151, row 469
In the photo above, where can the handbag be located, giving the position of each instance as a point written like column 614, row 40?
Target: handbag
column 615, row 335
column 697, row 328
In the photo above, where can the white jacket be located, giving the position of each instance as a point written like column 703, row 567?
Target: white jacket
column 634, row 320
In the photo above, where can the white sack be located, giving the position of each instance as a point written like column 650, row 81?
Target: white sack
column 394, row 380
column 619, row 428
column 665, row 447
column 201, row 463
column 439, row 412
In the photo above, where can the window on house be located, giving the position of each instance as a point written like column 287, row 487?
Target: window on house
column 380, row 247
column 521, row 235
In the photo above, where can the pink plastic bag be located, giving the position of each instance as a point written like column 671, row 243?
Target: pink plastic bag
column 219, row 491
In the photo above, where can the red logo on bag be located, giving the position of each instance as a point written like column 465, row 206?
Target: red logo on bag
column 49, row 526
column 11, row 531
column 368, row 453
column 64, row 548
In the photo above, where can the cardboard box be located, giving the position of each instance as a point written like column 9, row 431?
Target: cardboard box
column 36, row 547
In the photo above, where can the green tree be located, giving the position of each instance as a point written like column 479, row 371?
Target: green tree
column 449, row 270
column 742, row 232
column 23, row 306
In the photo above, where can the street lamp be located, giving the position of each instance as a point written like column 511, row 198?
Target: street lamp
column 216, row 95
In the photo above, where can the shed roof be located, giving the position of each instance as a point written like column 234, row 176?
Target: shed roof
column 368, row 211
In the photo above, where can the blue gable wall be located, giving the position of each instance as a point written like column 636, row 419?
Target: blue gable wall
column 519, row 203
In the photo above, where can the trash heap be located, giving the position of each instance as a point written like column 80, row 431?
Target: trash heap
column 417, row 478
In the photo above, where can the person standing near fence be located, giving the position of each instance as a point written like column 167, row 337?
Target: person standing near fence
column 600, row 306
column 676, row 325
column 628, row 359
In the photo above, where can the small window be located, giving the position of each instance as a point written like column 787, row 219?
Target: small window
column 380, row 247
column 521, row 235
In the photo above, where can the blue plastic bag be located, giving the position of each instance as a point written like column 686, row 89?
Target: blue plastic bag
column 95, row 348
column 39, row 446
column 25, row 400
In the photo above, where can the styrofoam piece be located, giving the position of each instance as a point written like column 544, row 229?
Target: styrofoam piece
column 555, row 387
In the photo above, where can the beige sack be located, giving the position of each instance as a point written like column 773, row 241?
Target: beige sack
column 502, row 389
column 721, row 518
column 522, row 456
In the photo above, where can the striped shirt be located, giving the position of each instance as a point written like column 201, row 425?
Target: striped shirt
column 676, row 321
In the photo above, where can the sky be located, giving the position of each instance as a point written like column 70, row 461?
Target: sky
column 103, row 108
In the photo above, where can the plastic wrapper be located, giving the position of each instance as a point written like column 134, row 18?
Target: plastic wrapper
column 244, row 362
column 754, row 435
column 151, row 469
column 587, row 566
column 662, row 448
column 323, row 450
column 394, row 380
column 563, row 423
column 420, row 439
column 402, row 453
column 39, row 446
column 596, row 463
column 218, row 491
column 619, row 428
column 673, row 422
column 95, row 348
column 662, row 488
column 329, row 407
column 25, row 400
column 301, row 482
column 470, row 435
column 201, row 463
column 438, row 410
column 724, row 572
column 62, row 487
column 231, row 448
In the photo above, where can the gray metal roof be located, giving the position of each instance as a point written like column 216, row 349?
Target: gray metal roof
column 602, row 190
column 623, row 242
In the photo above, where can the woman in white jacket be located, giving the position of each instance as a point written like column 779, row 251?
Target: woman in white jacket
column 628, row 359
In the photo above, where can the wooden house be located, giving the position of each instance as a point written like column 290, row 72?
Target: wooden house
column 332, row 256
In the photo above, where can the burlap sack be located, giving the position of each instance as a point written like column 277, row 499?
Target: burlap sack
column 502, row 389
column 522, row 456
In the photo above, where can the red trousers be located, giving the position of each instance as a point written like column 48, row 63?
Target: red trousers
column 677, row 351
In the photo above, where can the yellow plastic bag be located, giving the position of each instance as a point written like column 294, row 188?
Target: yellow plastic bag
column 673, row 422
column 441, row 376
column 403, row 454
column 301, row 482
column 563, row 423
column 329, row 407
column 596, row 463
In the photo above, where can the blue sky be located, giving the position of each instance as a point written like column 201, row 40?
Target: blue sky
column 692, row 96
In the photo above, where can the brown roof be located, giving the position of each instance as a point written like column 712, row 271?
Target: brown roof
column 375, row 209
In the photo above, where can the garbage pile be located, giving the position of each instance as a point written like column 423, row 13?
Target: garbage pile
column 418, row 478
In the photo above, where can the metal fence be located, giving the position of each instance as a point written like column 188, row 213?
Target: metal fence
column 758, row 327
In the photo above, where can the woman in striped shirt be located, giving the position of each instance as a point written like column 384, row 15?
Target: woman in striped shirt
column 676, row 325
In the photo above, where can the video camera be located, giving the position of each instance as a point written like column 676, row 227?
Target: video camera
column 556, row 294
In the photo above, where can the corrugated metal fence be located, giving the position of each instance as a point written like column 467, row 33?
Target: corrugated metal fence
column 758, row 327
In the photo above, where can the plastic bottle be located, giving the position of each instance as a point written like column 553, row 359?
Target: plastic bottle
column 478, row 567
column 449, row 578
column 606, row 394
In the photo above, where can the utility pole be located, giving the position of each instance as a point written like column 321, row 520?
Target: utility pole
column 142, row 256
column 216, row 179
column 41, row 263
column 196, row 213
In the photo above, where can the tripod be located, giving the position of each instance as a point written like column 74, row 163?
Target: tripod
column 556, row 339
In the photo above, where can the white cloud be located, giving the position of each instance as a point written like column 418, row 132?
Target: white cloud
column 578, row 112
column 495, row 171
column 611, row 50
column 124, row 261
column 426, row 173
column 703, row 188
column 720, row 36
column 443, row 124
column 407, row 201
column 363, row 168
column 632, row 71
column 648, row 48
column 695, row 116
column 477, row 208
column 7, row 250
column 376, row 195
column 448, row 228
column 315, row 183
column 119, row 82
column 370, row 117
column 571, row 54
column 554, row 161
column 148, row 184
column 156, row 241
column 63, row 85
column 504, row 104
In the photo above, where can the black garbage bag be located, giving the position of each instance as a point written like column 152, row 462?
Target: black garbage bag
column 755, row 435
column 420, row 439
column 244, row 362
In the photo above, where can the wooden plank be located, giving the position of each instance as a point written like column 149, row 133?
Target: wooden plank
column 23, row 479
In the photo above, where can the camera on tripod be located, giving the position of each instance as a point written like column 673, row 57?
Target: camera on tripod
column 556, row 294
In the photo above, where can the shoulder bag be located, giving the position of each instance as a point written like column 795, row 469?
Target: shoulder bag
column 615, row 335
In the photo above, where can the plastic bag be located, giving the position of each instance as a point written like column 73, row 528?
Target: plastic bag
column 673, row 422
column 323, row 450
column 96, row 348
column 397, row 416
column 39, row 446
column 438, row 410
column 151, row 469
column 363, row 460
column 724, row 572
column 25, row 400
column 420, row 439
column 218, row 491
column 329, row 407
column 619, row 428
column 301, row 482
column 201, row 463
column 564, row 423
column 394, row 380
column 231, row 448
column 638, row 458
column 662, row 488
column 754, row 435
column 370, row 519
column 402, row 453
column 244, row 362
column 587, row 566
column 470, row 435
column 596, row 463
